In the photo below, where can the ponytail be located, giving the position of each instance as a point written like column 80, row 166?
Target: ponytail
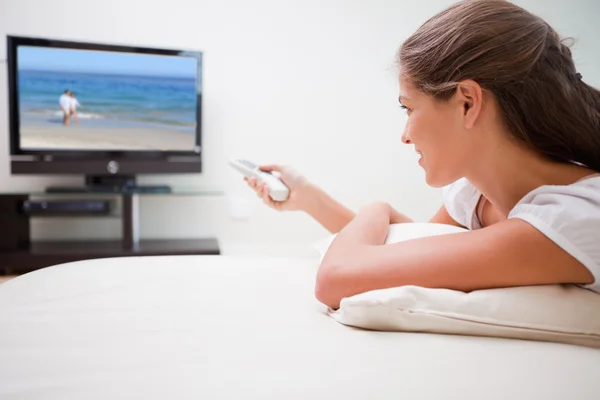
column 588, row 146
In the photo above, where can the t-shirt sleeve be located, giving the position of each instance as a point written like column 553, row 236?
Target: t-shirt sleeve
column 570, row 217
column 460, row 200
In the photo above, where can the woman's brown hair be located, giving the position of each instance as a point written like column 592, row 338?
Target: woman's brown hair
column 523, row 62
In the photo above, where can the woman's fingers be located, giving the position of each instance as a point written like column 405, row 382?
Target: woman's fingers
column 270, row 167
column 262, row 192
column 265, row 194
column 267, row 200
column 259, row 188
column 266, row 197
column 251, row 182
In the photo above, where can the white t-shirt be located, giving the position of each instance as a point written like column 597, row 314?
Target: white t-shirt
column 569, row 215
column 65, row 101
column 74, row 103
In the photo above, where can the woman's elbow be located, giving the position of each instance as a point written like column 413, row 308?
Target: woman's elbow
column 329, row 286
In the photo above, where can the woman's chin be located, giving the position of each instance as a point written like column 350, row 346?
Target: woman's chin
column 433, row 179
column 438, row 180
column 435, row 183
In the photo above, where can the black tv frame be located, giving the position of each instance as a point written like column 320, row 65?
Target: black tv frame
column 116, row 167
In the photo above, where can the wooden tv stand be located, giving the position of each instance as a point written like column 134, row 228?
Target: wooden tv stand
column 19, row 254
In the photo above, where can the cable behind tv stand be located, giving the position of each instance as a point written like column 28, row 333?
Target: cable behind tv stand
column 110, row 184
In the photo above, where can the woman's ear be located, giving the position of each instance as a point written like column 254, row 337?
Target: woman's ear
column 470, row 96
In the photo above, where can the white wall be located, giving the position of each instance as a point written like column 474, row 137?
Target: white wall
column 305, row 82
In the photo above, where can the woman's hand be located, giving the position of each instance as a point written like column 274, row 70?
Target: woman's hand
column 304, row 196
column 300, row 188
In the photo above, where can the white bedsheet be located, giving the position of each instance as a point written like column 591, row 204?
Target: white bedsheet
column 223, row 327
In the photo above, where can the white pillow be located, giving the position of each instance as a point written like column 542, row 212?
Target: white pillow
column 552, row 313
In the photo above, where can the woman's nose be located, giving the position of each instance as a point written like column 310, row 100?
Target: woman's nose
column 405, row 136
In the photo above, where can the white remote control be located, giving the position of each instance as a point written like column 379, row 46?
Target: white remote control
column 277, row 189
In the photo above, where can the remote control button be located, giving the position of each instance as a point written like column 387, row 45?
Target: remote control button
column 248, row 164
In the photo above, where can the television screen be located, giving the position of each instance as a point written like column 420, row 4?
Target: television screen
column 75, row 99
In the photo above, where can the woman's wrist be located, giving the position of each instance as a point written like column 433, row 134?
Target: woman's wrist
column 309, row 195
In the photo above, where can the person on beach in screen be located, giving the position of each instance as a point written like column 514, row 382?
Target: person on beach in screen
column 65, row 106
column 74, row 103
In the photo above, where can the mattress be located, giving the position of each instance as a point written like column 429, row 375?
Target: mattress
column 226, row 327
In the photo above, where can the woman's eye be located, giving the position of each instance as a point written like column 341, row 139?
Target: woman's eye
column 405, row 109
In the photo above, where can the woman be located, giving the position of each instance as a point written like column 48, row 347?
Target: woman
column 507, row 126
column 74, row 105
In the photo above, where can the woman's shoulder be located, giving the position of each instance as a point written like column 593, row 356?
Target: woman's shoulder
column 579, row 197
column 563, row 207
column 569, row 215
column 571, row 211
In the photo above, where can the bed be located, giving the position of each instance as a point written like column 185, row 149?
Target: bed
column 227, row 327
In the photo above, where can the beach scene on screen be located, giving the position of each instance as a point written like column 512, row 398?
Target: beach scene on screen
column 96, row 100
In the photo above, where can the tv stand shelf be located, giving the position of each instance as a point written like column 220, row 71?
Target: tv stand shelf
column 47, row 253
column 19, row 254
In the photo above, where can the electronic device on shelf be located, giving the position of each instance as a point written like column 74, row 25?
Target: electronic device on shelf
column 278, row 191
column 66, row 207
column 110, row 185
column 108, row 112
column 110, row 189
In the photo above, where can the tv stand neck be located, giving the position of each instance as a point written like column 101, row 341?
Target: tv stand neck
column 117, row 181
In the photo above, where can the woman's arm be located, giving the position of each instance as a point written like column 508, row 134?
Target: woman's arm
column 508, row 253
column 327, row 211
column 333, row 215
column 308, row 197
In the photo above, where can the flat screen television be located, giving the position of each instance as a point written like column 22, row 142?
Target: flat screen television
column 108, row 112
